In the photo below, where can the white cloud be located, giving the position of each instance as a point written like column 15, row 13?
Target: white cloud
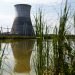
column 45, row 1
column 33, row 1
column 7, row 18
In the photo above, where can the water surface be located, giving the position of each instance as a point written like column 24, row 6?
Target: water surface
column 17, row 57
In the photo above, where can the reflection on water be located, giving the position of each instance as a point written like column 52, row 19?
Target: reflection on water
column 17, row 58
column 21, row 53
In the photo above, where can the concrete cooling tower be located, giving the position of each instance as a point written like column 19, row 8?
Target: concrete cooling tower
column 22, row 24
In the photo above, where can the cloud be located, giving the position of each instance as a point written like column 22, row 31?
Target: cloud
column 7, row 15
column 6, row 20
column 45, row 1
column 33, row 1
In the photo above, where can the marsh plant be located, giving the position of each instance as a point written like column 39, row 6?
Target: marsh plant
column 42, row 54
column 63, row 62
column 1, row 54
column 62, row 47
column 1, row 57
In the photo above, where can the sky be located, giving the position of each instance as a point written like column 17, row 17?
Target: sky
column 51, row 10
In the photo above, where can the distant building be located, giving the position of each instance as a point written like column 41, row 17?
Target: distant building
column 22, row 24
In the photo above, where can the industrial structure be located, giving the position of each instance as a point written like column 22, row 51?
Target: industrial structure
column 22, row 24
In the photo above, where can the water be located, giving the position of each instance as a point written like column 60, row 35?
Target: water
column 28, row 57
column 17, row 57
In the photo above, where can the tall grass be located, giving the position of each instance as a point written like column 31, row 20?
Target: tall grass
column 73, row 56
column 1, row 54
column 39, row 33
column 61, row 39
column 42, row 56
column 62, row 48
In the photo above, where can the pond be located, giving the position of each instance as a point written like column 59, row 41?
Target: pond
column 17, row 57
column 36, row 57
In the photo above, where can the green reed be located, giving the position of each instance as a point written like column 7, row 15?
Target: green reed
column 1, row 57
column 62, row 47
column 39, row 33
column 73, row 55
column 42, row 56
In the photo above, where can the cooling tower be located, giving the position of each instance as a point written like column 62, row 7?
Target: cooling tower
column 22, row 24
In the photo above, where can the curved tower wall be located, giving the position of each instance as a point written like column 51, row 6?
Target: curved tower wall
column 23, row 10
column 22, row 23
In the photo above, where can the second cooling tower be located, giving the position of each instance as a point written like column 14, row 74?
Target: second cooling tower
column 22, row 24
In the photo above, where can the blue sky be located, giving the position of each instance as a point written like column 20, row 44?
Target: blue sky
column 51, row 8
